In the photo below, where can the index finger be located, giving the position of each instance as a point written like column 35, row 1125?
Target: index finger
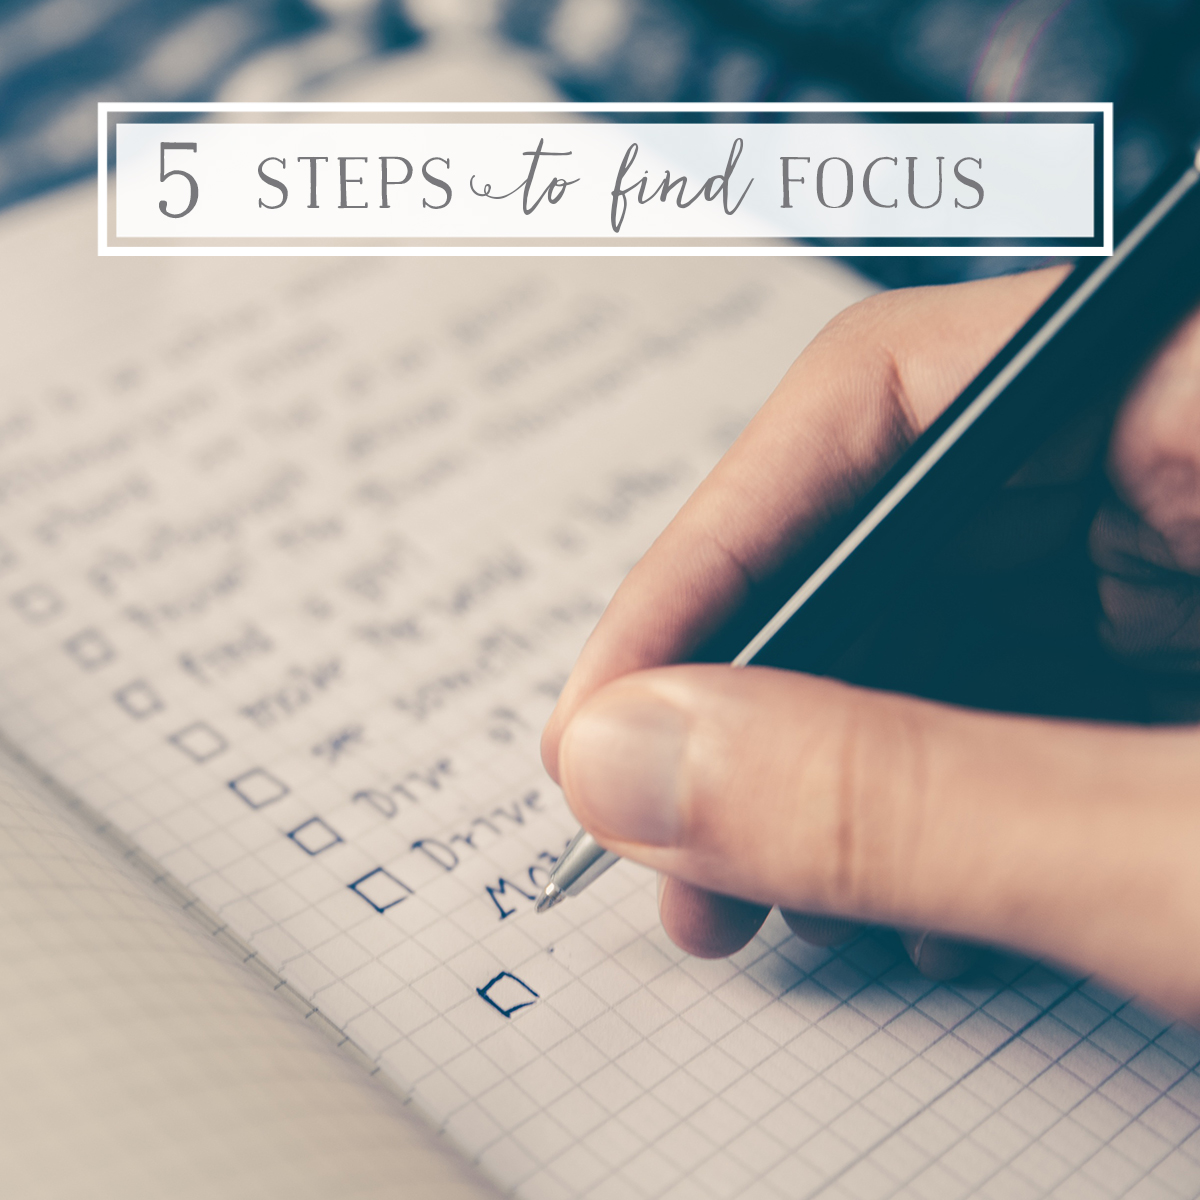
column 862, row 390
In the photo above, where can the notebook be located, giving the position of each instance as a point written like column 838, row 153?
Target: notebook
column 294, row 558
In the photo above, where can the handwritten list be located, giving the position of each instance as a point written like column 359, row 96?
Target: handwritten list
column 296, row 557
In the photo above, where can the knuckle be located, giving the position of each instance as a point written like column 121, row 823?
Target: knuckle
column 863, row 322
column 878, row 806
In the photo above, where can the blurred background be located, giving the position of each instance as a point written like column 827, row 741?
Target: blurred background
column 59, row 57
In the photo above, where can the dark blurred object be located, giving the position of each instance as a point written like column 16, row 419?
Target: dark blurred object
column 1144, row 55
column 58, row 58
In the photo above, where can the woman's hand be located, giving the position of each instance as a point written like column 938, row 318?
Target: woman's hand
column 1067, row 839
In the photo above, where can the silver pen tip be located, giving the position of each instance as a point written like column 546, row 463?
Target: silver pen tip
column 551, row 895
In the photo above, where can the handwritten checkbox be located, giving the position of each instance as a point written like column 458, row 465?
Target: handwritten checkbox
column 138, row 699
column 37, row 603
column 381, row 889
column 90, row 649
column 314, row 836
column 506, row 993
column 199, row 742
column 258, row 788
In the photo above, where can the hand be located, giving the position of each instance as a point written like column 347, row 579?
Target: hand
column 1068, row 839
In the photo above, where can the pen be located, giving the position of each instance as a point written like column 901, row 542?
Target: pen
column 1081, row 348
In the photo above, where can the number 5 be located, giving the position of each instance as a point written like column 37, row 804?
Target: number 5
column 164, row 175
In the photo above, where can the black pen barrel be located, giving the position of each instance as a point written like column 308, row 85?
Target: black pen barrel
column 1080, row 350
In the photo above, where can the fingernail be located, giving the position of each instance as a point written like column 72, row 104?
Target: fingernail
column 621, row 762
column 936, row 957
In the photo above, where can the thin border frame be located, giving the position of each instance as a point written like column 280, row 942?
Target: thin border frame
column 814, row 249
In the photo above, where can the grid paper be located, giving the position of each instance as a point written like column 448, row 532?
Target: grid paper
column 141, row 1059
column 297, row 558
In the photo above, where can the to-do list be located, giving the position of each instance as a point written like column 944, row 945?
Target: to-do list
column 296, row 557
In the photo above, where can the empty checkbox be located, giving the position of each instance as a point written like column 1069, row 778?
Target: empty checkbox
column 90, row 649
column 380, row 889
column 138, row 699
column 199, row 742
column 259, row 788
column 506, row 993
column 37, row 603
column 314, row 836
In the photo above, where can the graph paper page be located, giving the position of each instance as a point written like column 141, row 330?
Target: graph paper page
column 141, row 1059
column 296, row 557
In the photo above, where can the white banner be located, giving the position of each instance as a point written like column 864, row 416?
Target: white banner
column 1033, row 183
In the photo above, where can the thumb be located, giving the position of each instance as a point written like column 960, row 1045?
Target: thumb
column 1060, row 839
